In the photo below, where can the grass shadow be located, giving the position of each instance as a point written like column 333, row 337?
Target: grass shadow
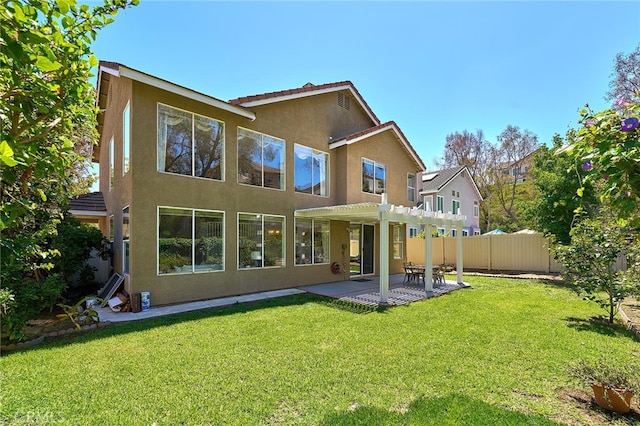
column 600, row 327
column 354, row 307
column 454, row 409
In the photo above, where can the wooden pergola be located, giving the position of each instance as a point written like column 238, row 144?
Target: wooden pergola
column 384, row 214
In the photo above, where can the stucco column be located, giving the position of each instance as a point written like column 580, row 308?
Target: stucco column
column 459, row 259
column 428, row 259
column 384, row 259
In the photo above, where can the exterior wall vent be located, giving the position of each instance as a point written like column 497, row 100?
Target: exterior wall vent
column 344, row 101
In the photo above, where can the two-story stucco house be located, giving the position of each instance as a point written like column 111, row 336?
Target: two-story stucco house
column 451, row 190
column 207, row 198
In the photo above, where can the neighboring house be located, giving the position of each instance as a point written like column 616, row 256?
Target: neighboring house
column 519, row 170
column 206, row 198
column 451, row 190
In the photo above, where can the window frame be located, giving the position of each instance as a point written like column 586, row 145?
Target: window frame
column 126, row 232
column 262, row 242
column 193, row 270
column 476, row 209
column 440, row 203
column 327, row 250
column 112, row 163
column 398, row 242
column 126, row 139
column 411, row 190
column 375, row 165
column 455, row 210
column 283, row 171
column 223, row 158
column 313, row 156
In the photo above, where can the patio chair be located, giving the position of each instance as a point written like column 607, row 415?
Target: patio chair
column 408, row 272
column 438, row 275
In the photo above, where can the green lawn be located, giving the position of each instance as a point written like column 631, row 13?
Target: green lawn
column 493, row 354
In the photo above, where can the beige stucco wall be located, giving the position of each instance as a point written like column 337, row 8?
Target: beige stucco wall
column 309, row 121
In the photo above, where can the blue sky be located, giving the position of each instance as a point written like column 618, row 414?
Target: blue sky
column 433, row 67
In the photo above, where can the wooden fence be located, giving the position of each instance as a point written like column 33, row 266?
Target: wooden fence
column 501, row 252
column 506, row 252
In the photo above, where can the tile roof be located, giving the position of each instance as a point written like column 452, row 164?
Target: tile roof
column 93, row 201
column 441, row 178
column 308, row 89
column 377, row 129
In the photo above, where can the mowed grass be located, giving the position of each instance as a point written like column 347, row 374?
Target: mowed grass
column 495, row 354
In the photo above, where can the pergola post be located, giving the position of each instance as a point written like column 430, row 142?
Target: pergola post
column 384, row 259
column 428, row 259
column 459, row 259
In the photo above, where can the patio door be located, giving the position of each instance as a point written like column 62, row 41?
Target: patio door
column 362, row 247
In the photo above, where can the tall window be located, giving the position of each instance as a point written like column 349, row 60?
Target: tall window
column 373, row 177
column 125, row 240
column 112, row 228
column 260, row 241
column 476, row 209
column 260, row 159
column 413, row 232
column 440, row 204
column 455, row 206
column 190, row 240
column 112, row 159
column 310, row 171
column 398, row 242
column 411, row 187
column 190, row 144
column 312, row 241
column 126, row 140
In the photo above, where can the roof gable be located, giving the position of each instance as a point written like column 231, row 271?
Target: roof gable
column 308, row 89
column 372, row 131
column 435, row 181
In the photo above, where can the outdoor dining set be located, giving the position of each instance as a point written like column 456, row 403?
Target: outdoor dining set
column 415, row 273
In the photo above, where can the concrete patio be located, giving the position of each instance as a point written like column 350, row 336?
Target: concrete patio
column 360, row 290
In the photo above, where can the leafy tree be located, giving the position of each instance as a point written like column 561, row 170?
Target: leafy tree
column 466, row 149
column 589, row 261
column 47, row 113
column 608, row 148
column 513, row 147
column 625, row 78
column 552, row 210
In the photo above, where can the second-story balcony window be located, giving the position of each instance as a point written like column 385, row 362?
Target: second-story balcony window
column 190, row 144
column 374, row 177
column 260, row 159
column 311, row 171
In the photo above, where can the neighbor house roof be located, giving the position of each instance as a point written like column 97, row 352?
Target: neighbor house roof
column 371, row 131
column 91, row 204
column 436, row 180
column 308, row 89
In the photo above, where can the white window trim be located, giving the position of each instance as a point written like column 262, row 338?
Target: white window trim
column 284, row 165
column 193, row 224
column 397, row 230
column 438, row 198
column 476, row 209
column 313, row 222
column 126, row 147
column 284, row 240
column 328, row 172
column 223, row 157
column 375, row 163
column 112, row 163
column 413, row 188
column 453, row 210
column 124, row 252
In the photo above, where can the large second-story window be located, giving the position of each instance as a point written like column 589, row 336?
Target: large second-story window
column 374, row 177
column 190, row 144
column 260, row 159
column 440, row 204
column 312, row 241
column 260, row 241
column 126, row 140
column 311, row 171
